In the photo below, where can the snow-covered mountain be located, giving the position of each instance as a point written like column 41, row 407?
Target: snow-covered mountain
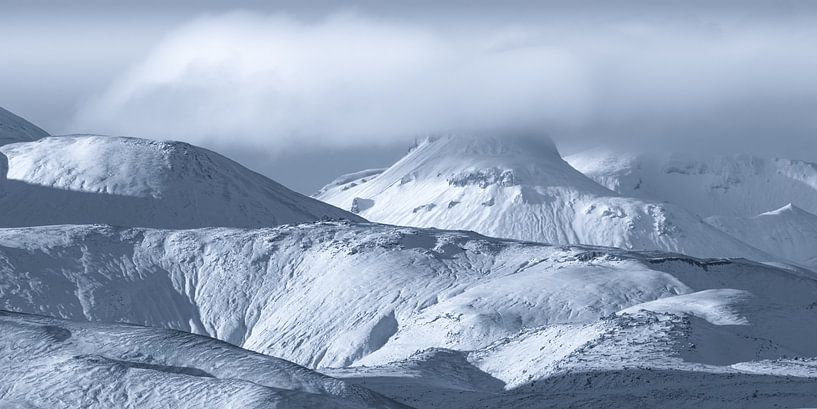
column 52, row 363
column 339, row 294
column 138, row 182
column 790, row 232
column 737, row 185
column 519, row 187
column 16, row 129
column 429, row 318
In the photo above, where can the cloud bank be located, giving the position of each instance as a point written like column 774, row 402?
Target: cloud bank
column 273, row 84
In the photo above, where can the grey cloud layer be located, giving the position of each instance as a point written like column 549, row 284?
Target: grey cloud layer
column 275, row 83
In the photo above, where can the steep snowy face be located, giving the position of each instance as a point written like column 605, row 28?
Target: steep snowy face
column 50, row 363
column 138, row 182
column 335, row 294
column 738, row 185
column 790, row 232
column 519, row 187
column 15, row 129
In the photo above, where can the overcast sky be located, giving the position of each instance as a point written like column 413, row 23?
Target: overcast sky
column 303, row 91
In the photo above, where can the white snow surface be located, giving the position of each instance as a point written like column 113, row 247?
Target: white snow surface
column 519, row 187
column 137, row 182
column 790, row 232
column 429, row 318
column 16, row 129
column 350, row 180
column 53, row 363
column 370, row 298
column 709, row 185
column 714, row 306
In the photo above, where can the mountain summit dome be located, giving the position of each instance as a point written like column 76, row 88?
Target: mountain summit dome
column 519, row 187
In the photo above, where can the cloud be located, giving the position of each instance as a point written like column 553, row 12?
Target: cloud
column 272, row 83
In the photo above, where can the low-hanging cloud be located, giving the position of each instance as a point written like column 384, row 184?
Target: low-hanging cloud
column 272, row 83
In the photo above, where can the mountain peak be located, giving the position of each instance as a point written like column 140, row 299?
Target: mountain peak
column 785, row 210
column 519, row 187
column 507, row 159
column 513, row 146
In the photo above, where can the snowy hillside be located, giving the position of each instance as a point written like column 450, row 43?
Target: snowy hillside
column 16, row 129
column 139, row 182
column 348, row 181
column 338, row 294
column 49, row 363
column 790, row 232
column 426, row 317
column 738, row 185
column 518, row 187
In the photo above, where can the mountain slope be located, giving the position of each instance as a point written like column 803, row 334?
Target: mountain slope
column 55, row 363
column 521, row 316
column 137, row 182
column 518, row 187
column 790, row 232
column 348, row 181
column 335, row 294
column 738, row 185
column 15, row 129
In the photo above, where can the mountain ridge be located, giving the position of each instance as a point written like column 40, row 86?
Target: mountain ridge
column 788, row 231
column 16, row 129
column 708, row 185
column 138, row 182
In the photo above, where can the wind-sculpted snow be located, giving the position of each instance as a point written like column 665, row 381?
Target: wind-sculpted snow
column 51, row 363
column 336, row 294
column 15, row 129
column 737, row 185
column 138, row 182
column 521, row 188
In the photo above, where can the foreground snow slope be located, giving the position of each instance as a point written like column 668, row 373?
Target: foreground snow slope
column 16, row 129
column 519, row 187
column 790, row 232
column 738, row 185
column 631, row 360
column 51, row 363
column 138, row 182
column 338, row 294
